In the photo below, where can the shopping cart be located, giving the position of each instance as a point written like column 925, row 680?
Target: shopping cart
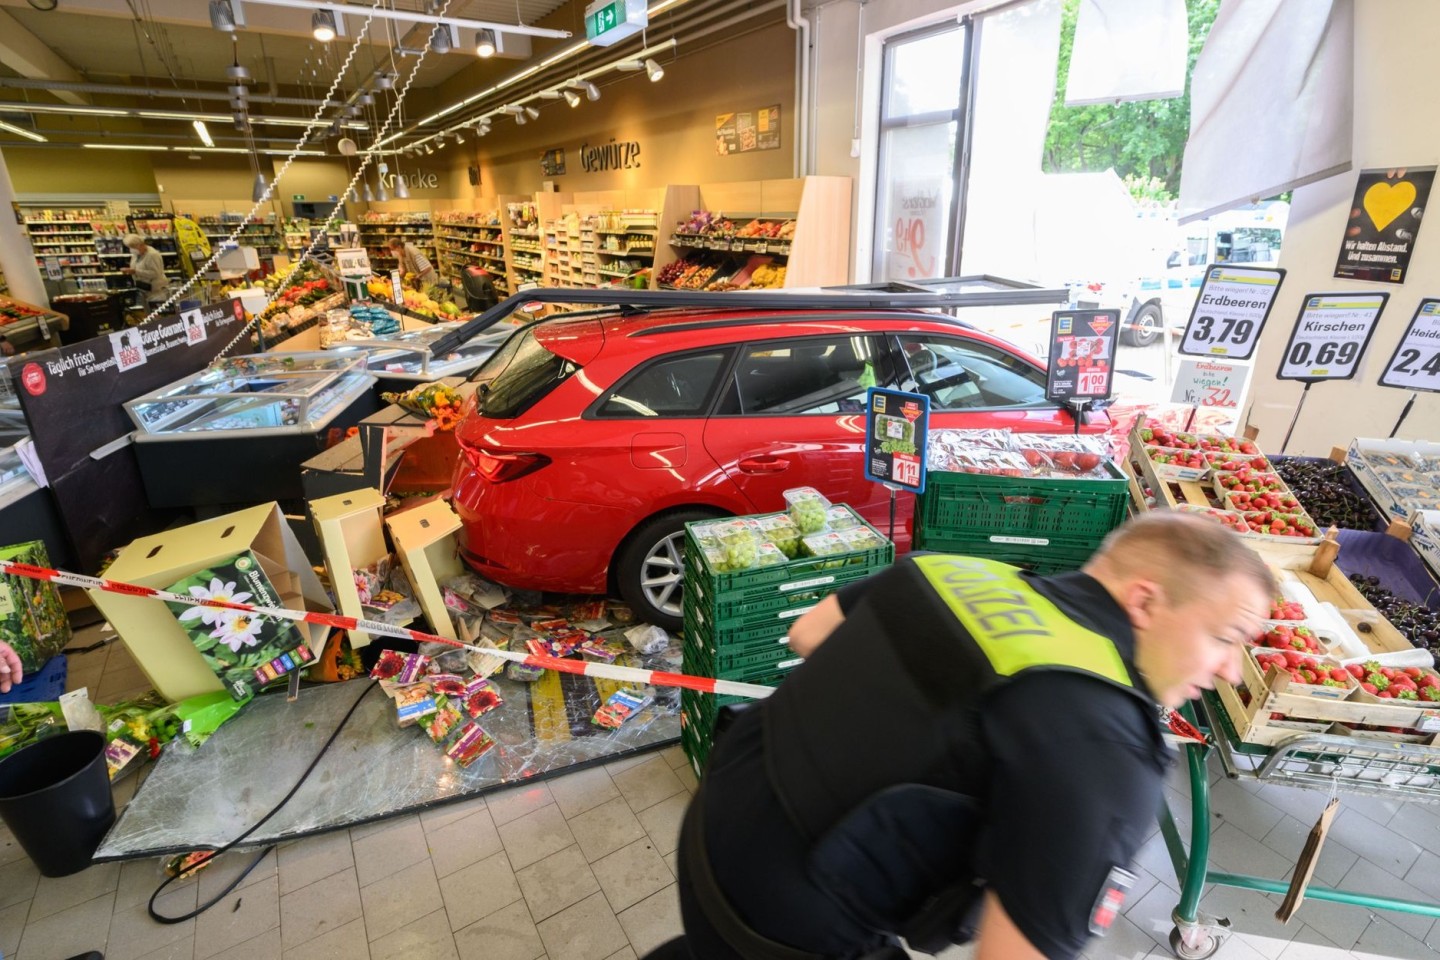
column 1333, row 764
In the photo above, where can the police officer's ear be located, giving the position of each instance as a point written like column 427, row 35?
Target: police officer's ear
column 1142, row 599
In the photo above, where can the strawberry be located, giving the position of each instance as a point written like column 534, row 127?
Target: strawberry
column 1369, row 687
column 1293, row 659
column 1340, row 674
column 1407, row 695
column 1414, row 672
column 1385, row 695
column 1429, row 680
column 1378, row 680
column 1430, row 694
column 1356, row 671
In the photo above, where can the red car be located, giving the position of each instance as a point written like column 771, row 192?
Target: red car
column 597, row 437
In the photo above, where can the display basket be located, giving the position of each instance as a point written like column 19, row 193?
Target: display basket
column 1059, row 512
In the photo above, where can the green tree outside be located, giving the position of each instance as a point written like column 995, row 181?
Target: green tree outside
column 1144, row 142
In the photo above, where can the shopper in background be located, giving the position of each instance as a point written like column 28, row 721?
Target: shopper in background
column 412, row 261
column 147, row 267
column 968, row 753
column 10, row 670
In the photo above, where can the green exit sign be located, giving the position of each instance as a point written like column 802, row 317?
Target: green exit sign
column 610, row 21
column 297, row 196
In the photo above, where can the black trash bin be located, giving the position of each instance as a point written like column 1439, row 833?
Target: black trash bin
column 55, row 797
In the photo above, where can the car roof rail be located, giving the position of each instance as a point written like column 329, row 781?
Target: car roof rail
column 973, row 291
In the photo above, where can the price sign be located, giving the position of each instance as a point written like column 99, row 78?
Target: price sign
column 1230, row 312
column 896, row 427
column 1331, row 335
column 1082, row 354
column 1210, row 384
column 1415, row 364
column 397, row 289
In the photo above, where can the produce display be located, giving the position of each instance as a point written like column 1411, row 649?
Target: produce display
column 811, row 527
column 434, row 401
column 1397, row 683
column 12, row 311
column 1004, row 453
column 1402, row 476
column 1309, row 671
column 1419, row 623
column 1284, row 637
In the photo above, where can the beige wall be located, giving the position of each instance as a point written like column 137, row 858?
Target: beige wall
column 673, row 121
column 1389, row 132
column 101, row 172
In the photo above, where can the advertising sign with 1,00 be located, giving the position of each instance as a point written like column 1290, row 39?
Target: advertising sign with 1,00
column 1082, row 355
column 896, row 427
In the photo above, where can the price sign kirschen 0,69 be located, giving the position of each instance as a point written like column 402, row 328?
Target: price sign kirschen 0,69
column 1416, row 362
column 1230, row 311
column 1331, row 335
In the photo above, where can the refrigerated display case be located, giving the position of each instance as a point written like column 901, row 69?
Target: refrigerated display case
column 401, row 361
column 238, row 431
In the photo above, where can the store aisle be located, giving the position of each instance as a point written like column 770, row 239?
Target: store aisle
column 581, row 867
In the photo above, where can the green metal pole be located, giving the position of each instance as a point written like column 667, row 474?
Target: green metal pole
column 1194, row 879
column 1265, row 885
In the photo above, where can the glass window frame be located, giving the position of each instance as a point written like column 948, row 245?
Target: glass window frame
column 724, row 375
column 884, row 352
column 978, row 346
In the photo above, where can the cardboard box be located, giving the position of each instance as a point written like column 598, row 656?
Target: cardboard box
column 424, row 538
column 351, row 537
column 155, row 638
column 33, row 619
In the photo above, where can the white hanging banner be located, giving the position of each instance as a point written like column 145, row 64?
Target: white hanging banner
column 1128, row 50
column 1271, row 103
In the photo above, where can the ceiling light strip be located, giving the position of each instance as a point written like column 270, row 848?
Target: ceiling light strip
column 21, row 131
column 415, row 16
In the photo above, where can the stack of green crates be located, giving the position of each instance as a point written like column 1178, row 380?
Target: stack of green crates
column 1042, row 524
column 736, row 624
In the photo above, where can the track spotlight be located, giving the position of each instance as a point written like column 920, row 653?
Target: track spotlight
column 485, row 43
column 457, row 137
column 656, row 72
column 384, row 82
column 533, row 113
column 548, row 94
column 257, row 193
column 402, row 192
column 520, row 119
column 369, row 194
column 572, row 98
column 429, row 150
column 322, row 25
column 629, row 66
column 354, row 195
column 237, row 72
column 592, row 92
column 222, row 16
column 365, row 100
column 440, row 38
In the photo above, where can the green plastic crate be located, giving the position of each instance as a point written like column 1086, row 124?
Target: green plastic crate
column 738, row 666
column 1067, row 513
column 762, row 582
column 1040, row 559
column 748, row 639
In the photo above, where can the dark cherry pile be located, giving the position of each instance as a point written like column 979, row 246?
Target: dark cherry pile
column 1323, row 491
column 1419, row 624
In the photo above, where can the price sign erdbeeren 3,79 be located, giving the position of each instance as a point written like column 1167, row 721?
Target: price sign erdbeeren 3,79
column 1330, row 335
column 1231, row 310
column 1415, row 365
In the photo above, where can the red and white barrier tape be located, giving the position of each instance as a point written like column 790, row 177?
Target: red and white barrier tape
column 587, row 668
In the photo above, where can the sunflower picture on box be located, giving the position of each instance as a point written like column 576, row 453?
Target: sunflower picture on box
column 244, row 650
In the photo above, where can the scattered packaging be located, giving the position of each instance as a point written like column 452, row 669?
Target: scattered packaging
column 481, row 696
column 400, row 667
column 414, row 703
column 469, row 743
column 622, row 705
column 32, row 615
column 444, row 721
column 647, row 639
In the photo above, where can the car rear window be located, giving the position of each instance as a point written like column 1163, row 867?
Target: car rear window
column 518, row 376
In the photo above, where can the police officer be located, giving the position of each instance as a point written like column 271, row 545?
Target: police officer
column 969, row 753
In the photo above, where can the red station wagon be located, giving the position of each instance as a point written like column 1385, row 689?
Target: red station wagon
column 597, row 436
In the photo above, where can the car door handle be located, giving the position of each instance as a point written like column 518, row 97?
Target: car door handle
column 763, row 464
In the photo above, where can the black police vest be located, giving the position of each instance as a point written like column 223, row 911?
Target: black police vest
column 888, row 788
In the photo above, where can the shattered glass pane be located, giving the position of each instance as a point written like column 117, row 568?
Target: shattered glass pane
column 205, row 797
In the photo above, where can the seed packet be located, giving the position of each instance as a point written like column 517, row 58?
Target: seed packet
column 622, row 705
column 118, row 753
column 468, row 743
column 550, row 625
column 605, row 651
column 500, row 615
column 522, row 672
column 449, row 684
column 481, row 696
column 400, row 667
column 414, row 703
column 587, row 610
column 444, row 720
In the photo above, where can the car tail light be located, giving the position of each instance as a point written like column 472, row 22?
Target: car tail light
column 499, row 467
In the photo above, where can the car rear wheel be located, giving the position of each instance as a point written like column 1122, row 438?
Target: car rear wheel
column 650, row 567
column 1146, row 326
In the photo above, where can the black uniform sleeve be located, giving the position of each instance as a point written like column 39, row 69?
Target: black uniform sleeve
column 850, row 594
column 1074, row 793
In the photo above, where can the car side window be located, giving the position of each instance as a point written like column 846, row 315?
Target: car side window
column 959, row 374
column 677, row 386
column 815, row 375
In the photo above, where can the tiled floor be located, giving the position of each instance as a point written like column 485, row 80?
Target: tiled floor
column 582, row 868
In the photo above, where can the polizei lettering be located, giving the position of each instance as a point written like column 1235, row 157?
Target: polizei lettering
column 992, row 605
column 610, row 156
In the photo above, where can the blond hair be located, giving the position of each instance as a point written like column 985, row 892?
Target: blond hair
column 1181, row 551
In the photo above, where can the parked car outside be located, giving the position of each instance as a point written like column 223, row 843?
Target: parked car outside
column 597, row 437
